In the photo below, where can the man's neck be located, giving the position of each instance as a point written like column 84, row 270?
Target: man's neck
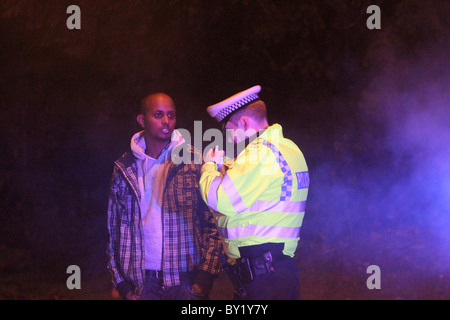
column 155, row 147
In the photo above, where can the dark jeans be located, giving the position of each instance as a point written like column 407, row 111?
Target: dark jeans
column 283, row 284
column 153, row 290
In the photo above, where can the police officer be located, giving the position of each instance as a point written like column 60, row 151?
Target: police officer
column 259, row 199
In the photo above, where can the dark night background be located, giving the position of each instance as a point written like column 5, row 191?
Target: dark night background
column 368, row 108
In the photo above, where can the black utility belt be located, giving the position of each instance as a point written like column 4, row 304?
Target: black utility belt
column 248, row 269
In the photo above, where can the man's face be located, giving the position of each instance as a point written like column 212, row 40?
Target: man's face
column 159, row 119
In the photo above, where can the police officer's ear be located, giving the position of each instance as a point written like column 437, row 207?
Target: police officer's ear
column 140, row 120
column 244, row 123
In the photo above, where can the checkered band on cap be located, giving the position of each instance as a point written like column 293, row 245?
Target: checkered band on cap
column 223, row 109
column 241, row 103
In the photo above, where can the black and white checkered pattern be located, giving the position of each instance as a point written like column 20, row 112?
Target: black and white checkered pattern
column 237, row 105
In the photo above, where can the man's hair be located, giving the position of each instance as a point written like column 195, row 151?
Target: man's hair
column 149, row 99
column 256, row 110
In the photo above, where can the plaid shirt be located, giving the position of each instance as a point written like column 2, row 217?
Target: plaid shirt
column 190, row 237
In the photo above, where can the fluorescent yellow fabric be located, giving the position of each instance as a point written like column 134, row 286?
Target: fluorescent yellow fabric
column 262, row 196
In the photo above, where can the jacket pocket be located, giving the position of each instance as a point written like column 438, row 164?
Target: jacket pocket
column 186, row 193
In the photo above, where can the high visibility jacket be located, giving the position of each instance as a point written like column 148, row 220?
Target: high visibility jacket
column 262, row 196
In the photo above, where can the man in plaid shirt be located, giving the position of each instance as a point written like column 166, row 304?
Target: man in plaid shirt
column 164, row 243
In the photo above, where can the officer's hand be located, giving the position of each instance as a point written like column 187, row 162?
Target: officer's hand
column 215, row 155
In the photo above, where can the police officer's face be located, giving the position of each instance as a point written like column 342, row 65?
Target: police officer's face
column 235, row 131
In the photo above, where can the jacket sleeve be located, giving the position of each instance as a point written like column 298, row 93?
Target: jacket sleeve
column 211, row 249
column 244, row 182
column 113, row 224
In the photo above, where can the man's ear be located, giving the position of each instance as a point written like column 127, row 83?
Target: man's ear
column 140, row 120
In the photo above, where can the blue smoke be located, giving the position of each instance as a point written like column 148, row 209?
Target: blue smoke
column 389, row 205
column 410, row 100
column 418, row 129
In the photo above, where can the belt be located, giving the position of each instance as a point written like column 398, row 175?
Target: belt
column 248, row 269
column 158, row 274
column 276, row 249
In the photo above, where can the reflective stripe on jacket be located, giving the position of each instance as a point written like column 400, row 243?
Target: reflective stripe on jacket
column 262, row 197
